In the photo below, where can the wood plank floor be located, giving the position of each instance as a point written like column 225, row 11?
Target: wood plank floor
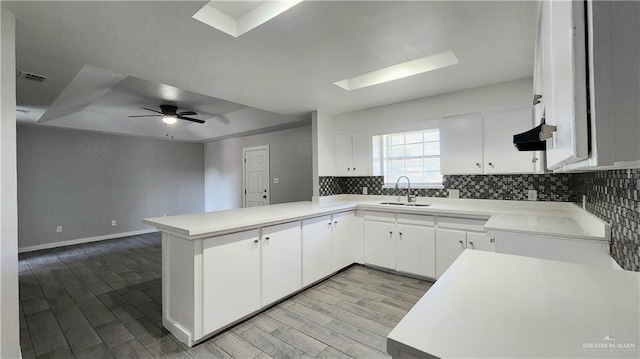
column 103, row 300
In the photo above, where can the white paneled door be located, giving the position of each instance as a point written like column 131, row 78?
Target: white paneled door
column 256, row 175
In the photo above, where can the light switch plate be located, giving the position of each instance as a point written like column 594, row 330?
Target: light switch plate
column 454, row 193
column 276, row 180
column 59, row 229
column 532, row 195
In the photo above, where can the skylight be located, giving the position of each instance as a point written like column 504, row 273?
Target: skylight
column 245, row 23
column 395, row 72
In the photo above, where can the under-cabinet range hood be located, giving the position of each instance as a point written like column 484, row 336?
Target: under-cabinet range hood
column 534, row 139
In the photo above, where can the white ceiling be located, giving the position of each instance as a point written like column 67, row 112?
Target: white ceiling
column 286, row 66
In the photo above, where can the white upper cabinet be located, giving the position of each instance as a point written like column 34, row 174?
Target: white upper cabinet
column 353, row 154
column 483, row 144
column 461, row 145
column 562, row 70
column 500, row 155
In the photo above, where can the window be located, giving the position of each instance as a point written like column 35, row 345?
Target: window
column 413, row 154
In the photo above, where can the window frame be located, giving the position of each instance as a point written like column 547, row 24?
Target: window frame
column 378, row 146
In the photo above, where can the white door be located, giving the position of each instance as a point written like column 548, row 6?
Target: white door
column 344, row 155
column 232, row 281
column 380, row 244
column 500, row 155
column 449, row 246
column 316, row 249
column 564, row 81
column 461, row 145
column 281, row 261
column 256, row 176
column 480, row 241
column 344, row 239
column 417, row 250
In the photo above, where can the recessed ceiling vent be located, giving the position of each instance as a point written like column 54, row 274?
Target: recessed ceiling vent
column 21, row 111
column 31, row 76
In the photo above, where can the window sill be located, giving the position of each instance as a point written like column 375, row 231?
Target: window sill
column 417, row 186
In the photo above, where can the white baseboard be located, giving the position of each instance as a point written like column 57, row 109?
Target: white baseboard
column 84, row 240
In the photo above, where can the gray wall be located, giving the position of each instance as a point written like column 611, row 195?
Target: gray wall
column 290, row 161
column 83, row 180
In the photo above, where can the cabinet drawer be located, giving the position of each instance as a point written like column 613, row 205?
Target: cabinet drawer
column 380, row 216
column 416, row 219
column 467, row 224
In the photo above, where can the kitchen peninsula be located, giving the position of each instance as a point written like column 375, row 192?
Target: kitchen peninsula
column 222, row 267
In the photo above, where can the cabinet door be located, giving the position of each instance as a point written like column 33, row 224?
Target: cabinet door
column 316, row 249
column 480, row 241
column 281, row 261
column 361, row 154
column 417, row 250
column 449, row 245
column 500, row 155
column 564, row 80
column 344, row 155
column 461, row 145
column 231, row 280
column 343, row 237
column 379, row 244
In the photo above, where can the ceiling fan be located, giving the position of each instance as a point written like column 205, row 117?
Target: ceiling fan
column 170, row 114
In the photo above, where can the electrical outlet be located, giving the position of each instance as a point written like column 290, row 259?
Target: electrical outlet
column 454, row 193
column 59, row 229
column 113, row 223
column 276, row 180
column 532, row 195
column 365, row 190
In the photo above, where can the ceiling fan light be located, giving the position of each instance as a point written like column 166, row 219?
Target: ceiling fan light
column 169, row 120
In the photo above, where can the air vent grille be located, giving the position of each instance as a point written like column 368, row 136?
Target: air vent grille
column 32, row 77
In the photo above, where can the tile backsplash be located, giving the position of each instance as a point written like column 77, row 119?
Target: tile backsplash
column 614, row 196
column 550, row 187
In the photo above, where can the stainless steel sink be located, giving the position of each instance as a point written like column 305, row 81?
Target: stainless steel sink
column 406, row 204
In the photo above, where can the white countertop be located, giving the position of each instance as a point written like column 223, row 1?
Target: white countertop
column 490, row 305
column 547, row 218
column 201, row 225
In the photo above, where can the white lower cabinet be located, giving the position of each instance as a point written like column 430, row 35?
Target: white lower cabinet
column 480, row 241
column 379, row 244
column 232, row 281
column 575, row 250
column 417, row 250
column 405, row 242
column 281, row 261
column 316, row 249
column 451, row 243
column 344, row 236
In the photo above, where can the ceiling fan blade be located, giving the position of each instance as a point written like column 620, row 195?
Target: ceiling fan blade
column 187, row 113
column 152, row 110
column 146, row 116
column 190, row 119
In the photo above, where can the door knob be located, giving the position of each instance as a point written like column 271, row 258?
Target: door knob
column 265, row 196
column 255, row 241
column 477, row 164
column 491, row 164
column 267, row 238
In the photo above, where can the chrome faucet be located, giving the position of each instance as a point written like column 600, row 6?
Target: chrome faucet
column 409, row 197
